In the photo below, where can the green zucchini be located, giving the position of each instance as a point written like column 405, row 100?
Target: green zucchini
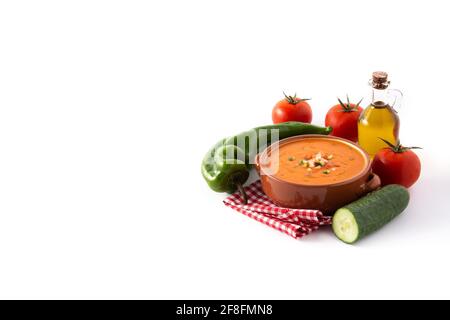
column 368, row 214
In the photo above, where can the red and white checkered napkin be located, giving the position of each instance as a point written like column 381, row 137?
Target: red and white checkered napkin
column 294, row 222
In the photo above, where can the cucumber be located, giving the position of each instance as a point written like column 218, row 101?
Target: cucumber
column 368, row 214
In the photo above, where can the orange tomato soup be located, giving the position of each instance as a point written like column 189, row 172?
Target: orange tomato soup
column 316, row 161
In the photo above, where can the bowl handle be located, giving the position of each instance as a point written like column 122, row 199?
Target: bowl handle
column 257, row 164
column 373, row 183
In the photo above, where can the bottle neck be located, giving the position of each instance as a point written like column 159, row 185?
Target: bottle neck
column 379, row 98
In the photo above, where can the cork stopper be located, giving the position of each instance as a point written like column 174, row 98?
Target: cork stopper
column 380, row 80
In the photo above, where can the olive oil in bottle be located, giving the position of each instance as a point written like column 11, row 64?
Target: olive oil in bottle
column 379, row 119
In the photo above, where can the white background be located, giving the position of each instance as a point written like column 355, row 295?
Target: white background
column 106, row 110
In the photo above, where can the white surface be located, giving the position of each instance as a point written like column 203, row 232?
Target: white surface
column 107, row 107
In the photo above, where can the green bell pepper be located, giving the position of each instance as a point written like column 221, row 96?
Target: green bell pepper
column 226, row 166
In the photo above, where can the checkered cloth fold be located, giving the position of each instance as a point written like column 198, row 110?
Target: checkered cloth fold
column 294, row 222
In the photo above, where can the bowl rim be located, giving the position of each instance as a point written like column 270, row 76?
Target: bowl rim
column 363, row 173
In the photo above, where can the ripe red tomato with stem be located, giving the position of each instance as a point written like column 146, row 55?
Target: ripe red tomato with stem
column 292, row 108
column 343, row 118
column 397, row 164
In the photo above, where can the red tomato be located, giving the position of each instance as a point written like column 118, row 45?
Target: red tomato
column 343, row 118
column 292, row 109
column 397, row 165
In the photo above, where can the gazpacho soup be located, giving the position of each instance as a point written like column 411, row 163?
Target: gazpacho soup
column 315, row 161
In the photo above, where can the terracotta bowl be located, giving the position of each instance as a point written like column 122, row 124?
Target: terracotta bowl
column 325, row 197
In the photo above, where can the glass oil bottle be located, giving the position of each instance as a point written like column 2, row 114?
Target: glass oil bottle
column 379, row 119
